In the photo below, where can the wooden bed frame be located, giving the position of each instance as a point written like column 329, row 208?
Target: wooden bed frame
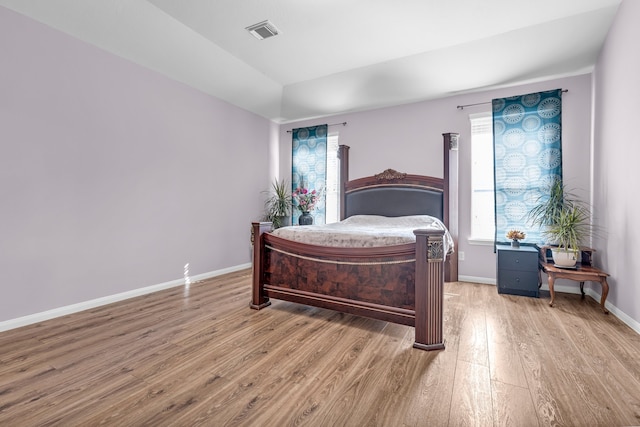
column 400, row 284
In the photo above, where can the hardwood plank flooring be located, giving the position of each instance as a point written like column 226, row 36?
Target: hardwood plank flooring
column 198, row 355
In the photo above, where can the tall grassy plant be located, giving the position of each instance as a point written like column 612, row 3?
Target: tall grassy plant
column 548, row 206
column 278, row 203
column 563, row 218
column 571, row 226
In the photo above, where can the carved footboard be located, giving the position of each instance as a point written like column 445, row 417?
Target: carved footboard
column 400, row 284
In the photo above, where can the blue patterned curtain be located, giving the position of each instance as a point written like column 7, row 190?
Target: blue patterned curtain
column 309, row 166
column 527, row 136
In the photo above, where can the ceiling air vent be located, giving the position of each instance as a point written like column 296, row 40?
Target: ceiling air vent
column 263, row 30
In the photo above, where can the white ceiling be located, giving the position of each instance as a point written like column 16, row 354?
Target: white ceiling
column 336, row 56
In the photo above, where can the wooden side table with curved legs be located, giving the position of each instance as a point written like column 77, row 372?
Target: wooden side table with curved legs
column 582, row 273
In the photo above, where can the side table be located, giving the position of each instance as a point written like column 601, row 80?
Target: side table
column 582, row 273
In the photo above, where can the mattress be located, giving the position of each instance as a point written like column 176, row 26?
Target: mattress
column 361, row 231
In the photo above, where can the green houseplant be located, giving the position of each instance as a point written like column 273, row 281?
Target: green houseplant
column 565, row 221
column 548, row 206
column 278, row 204
column 570, row 228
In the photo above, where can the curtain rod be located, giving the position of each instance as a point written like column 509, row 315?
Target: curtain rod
column 332, row 124
column 461, row 107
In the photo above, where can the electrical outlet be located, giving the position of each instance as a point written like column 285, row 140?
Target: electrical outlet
column 460, row 256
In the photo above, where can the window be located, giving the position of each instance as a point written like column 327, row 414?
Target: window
column 333, row 173
column 309, row 166
column 315, row 165
column 482, row 194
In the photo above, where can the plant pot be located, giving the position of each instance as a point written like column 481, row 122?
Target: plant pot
column 564, row 258
column 284, row 221
column 515, row 243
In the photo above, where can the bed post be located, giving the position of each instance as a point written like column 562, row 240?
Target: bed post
column 429, row 289
column 451, row 201
column 258, row 300
column 343, row 156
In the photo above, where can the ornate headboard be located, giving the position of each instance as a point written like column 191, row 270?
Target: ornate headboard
column 393, row 193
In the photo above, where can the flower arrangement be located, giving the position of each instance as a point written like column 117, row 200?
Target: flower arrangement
column 305, row 199
column 515, row 235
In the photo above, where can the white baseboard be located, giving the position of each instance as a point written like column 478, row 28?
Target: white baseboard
column 625, row 318
column 632, row 323
column 474, row 279
column 562, row 288
column 74, row 308
column 85, row 305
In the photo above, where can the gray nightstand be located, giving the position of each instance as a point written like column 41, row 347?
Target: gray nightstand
column 517, row 270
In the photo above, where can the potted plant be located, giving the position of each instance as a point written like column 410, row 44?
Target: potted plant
column 515, row 236
column 570, row 228
column 565, row 221
column 278, row 204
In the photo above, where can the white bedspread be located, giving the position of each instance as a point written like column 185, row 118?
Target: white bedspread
column 365, row 231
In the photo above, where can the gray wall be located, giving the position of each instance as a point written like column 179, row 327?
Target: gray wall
column 616, row 155
column 113, row 177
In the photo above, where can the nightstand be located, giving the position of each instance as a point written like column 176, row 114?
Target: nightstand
column 517, row 270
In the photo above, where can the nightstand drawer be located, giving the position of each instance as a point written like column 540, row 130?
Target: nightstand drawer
column 514, row 280
column 517, row 260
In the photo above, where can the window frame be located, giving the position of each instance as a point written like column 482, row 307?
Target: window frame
column 476, row 238
column 333, row 140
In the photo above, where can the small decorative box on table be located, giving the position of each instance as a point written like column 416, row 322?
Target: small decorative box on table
column 517, row 270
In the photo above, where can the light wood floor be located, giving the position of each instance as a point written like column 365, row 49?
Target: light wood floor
column 200, row 356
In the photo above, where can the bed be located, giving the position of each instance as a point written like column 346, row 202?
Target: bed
column 400, row 283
